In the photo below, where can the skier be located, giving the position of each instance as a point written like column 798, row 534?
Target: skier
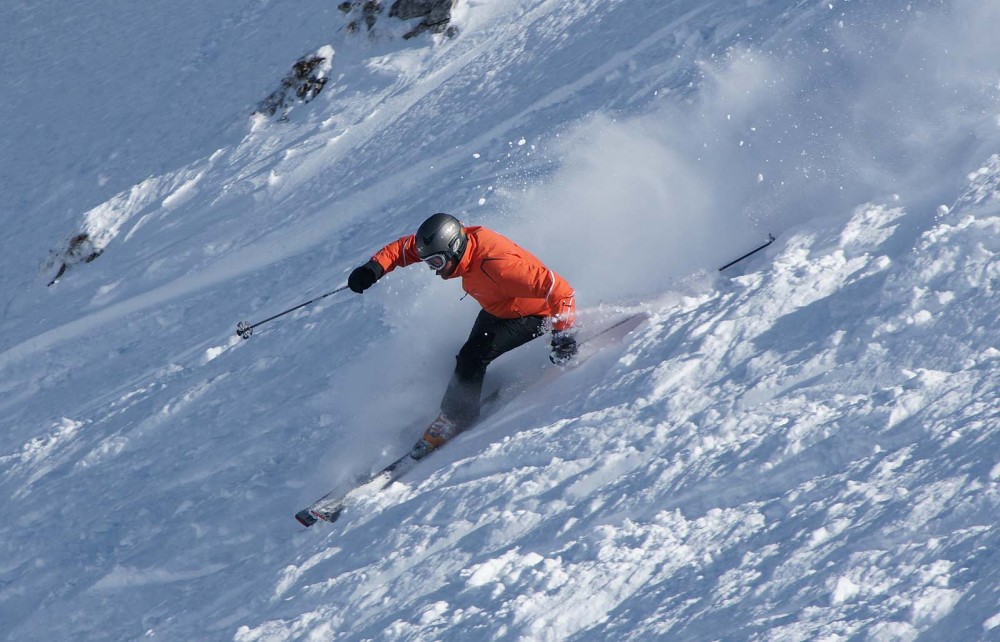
column 519, row 296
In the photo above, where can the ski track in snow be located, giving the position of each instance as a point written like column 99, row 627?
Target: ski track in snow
column 801, row 448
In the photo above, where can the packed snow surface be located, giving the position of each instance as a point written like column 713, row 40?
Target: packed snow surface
column 801, row 447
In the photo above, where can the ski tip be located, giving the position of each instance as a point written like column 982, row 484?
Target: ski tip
column 305, row 517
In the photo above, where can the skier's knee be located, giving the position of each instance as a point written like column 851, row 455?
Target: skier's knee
column 469, row 366
column 472, row 360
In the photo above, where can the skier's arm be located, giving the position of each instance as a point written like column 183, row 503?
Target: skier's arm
column 565, row 315
column 399, row 253
column 527, row 280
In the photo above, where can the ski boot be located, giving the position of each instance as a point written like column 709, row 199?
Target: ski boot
column 441, row 430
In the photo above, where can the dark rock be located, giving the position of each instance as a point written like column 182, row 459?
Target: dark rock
column 371, row 10
column 80, row 249
column 302, row 84
column 409, row 9
column 436, row 15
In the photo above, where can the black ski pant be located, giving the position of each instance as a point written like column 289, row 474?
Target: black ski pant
column 490, row 337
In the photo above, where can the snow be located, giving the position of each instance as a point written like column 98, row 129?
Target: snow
column 801, row 447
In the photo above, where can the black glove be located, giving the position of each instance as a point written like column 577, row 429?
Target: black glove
column 365, row 276
column 563, row 347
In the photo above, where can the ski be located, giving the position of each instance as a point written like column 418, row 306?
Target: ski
column 329, row 507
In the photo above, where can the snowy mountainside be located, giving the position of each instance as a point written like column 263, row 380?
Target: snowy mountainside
column 796, row 449
column 801, row 454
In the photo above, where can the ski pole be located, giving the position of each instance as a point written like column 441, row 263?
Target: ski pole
column 609, row 328
column 770, row 240
column 244, row 330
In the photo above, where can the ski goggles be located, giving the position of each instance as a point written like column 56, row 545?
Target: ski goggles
column 436, row 261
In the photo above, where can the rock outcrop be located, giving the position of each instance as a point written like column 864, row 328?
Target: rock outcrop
column 302, row 84
column 435, row 15
column 80, row 249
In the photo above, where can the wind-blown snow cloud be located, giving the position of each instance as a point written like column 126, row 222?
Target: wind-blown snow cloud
column 767, row 140
column 638, row 201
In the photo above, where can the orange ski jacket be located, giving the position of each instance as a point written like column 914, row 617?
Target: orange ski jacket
column 507, row 280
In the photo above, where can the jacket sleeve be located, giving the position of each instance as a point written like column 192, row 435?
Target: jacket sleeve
column 534, row 281
column 565, row 315
column 399, row 253
column 563, row 299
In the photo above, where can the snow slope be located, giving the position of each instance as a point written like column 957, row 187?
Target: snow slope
column 800, row 448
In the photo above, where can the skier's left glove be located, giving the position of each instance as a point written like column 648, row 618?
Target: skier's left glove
column 564, row 347
column 364, row 277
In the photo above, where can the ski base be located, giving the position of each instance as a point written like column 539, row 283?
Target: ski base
column 329, row 507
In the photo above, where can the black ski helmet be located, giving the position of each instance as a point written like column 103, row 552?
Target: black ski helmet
column 442, row 234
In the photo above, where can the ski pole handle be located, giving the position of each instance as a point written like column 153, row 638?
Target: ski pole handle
column 244, row 330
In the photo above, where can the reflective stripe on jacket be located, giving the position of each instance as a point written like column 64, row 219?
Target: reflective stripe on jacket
column 507, row 280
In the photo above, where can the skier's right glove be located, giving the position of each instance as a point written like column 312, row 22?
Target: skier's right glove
column 364, row 277
column 563, row 347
